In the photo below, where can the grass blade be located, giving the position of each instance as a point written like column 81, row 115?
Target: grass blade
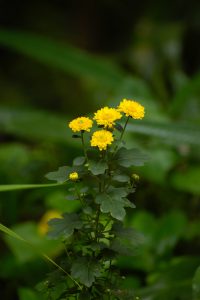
column 13, row 234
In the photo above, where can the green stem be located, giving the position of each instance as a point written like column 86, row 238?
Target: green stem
column 124, row 129
column 121, row 136
column 83, row 145
column 97, row 224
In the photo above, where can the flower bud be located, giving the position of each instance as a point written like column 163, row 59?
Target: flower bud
column 135, row 177
column 73, row 176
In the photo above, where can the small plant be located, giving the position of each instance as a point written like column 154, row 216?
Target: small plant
column 101, row 180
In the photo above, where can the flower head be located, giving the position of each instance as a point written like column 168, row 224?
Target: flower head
column 101, row 139
column 73, row 176
column 82, row 123
column 131, row 109
column 107, row 116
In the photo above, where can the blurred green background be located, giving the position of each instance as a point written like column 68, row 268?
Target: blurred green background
column 61, row 59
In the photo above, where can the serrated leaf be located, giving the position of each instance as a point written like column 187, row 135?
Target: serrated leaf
column 85, row 270
column 113, row 202
column 97, row 167
column 79, row 161
column 130, row 157
column 61, row 175
column 64, row 227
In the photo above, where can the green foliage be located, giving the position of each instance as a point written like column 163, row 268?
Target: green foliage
column 97, row 167
column 62, row 56
column 174, row 281
column 187, row 180
column 196, row 284
column 126, row 240
column 11, row 187
column 64, row 227
column 167, row 202
column 25, row 294
column 113, row 201
column 30, row 232
column 60, row 176
column 86, row 269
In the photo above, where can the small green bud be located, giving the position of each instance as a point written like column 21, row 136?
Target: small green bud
column 108, row 290
column 135, row 177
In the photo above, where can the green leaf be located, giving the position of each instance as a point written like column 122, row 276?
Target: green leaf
column 61, row 175
column 86, row 269
column 63, row 57
column 169, row 132
column 79, row 161
column 113, row 202
column 64, row 227
column 111, row 205
column 126, row 241
column 121, row 178
column 187, row 180
column 97, row 167
column 11, row 187
column 196, row 284
column 130, row 157
column 57, row 200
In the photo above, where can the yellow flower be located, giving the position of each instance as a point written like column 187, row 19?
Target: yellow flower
column 43, row 226
column 82, row 123
column 101, row 139
column 73, row 176
column 107, row 116
column 131, row 108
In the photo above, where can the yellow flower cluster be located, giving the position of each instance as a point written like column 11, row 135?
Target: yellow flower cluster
column 73, row 176
column 107, row 116
column 101, row 139
column 131, row 109
column 82, row 123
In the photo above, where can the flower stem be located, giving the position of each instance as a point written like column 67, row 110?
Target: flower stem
column 121, row 136
column 83, row 145
column 124, row 128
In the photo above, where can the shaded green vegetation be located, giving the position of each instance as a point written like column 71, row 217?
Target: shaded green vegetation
column 55, row 74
